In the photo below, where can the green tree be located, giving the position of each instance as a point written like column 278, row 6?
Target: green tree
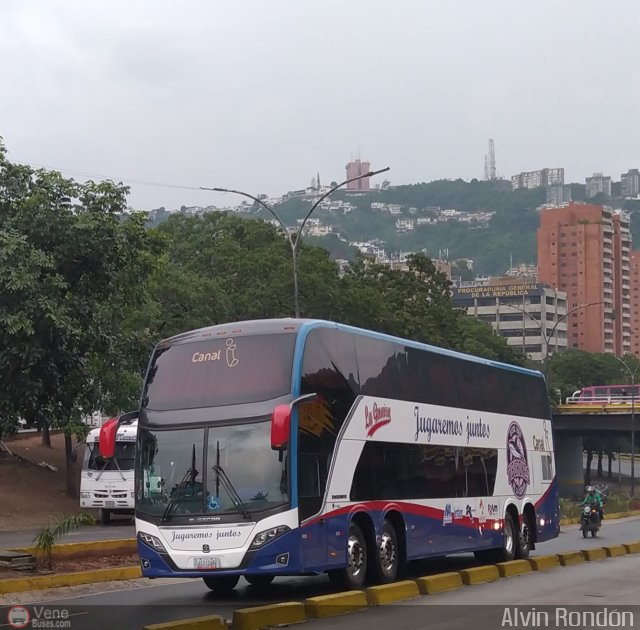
column 70, row 268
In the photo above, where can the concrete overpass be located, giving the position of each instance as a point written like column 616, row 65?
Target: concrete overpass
column 573, row 422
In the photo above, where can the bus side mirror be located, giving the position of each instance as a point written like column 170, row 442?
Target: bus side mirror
column 107, row 444
column 280, row 427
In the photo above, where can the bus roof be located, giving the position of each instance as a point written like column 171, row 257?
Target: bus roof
column 266, row 326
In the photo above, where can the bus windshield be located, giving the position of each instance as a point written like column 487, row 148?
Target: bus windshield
column 216, row 372
column 123, row 458
column 181, row 472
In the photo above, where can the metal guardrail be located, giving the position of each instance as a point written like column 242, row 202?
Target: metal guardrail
column 603, row 400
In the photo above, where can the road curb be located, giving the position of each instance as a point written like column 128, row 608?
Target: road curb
column 594, row 554
column 335, row 604
column 614, row 551
column 570, row 558
column 543, row 563
column 574, row 520
column 42, row 582
column 211, row 622
column 633, row 547
column 74, row 550
column 265, row 616
column 440, row 583
column 514, row 567
column 480, row 575
column 389, row 593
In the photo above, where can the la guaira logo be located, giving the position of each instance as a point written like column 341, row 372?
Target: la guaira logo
column 517, row 462
column 376, row 418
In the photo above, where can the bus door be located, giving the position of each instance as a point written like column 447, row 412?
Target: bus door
column 312, row 479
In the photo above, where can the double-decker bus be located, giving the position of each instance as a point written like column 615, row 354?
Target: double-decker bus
column 298, row 447
column 605, row 394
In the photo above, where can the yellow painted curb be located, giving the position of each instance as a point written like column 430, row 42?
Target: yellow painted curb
column 542, row 563
column 335, row 604
column 615, row 515
column 513, row 567
column 210, row 622
column 101, row 547
column 388, row 593
column 271, row 615
column 633, row 547
column 570, row 558
column 594, row 554
column 615, row 550
column 480, row 575
column 41, row 582
column 439, row 583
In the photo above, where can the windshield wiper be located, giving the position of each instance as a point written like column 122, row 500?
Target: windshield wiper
column 221, row 475
column 189, row 478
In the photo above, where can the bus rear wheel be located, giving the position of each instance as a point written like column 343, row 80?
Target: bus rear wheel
column 524, row 540
column 221, row 583
column 354, row 574
column 388, row 556
column 259, row 580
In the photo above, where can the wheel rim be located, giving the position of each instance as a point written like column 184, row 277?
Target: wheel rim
column 356, row 556
column 388, row 552
column 525, row 536
column 508, row 537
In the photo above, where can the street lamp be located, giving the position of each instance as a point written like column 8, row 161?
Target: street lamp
column 294, row 241
column 543, row 328
column 632, row 376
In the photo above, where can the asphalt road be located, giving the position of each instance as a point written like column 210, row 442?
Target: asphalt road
column 611, row 585
column 133, row 607
column 624, row 465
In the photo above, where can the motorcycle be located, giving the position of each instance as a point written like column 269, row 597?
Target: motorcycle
column 590, row 520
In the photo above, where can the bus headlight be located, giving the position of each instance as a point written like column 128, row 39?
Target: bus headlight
column 152, row 541
column 267, row 536
column 85, row 495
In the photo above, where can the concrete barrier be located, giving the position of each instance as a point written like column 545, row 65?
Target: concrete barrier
column 210, row 622
column 41, row 582
column 335, row 604
column 480, row 575
column 265, row 616
column 594, row 554
column 440, row 583
column 615, row 550
column 633, row 547
column 543, row 563
column 570, row 558
column 513, row 567
column 395, row 592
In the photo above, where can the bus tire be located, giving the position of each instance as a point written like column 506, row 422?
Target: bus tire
column 524, row 539
column 105, row 516
column 259, row 580
column 354, row 574
column 221, row 583
column 510, row 543
column 387, row 561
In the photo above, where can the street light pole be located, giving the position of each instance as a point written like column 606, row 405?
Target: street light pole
column 543, row 332
column 294, row 242
column 632, row 376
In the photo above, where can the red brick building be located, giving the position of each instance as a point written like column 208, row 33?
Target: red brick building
column 584, row 250
column 356, row 168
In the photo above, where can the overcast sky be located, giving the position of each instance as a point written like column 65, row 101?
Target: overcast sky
column 262, row 94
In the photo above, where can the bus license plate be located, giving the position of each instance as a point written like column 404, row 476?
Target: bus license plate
column 206, row 563
column 110, row 503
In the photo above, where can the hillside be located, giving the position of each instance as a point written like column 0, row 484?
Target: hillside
column 508, row 235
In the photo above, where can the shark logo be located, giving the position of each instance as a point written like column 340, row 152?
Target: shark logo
column 517, row 463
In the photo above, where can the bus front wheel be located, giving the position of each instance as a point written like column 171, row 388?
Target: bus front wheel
column 105, row 516
column 221, row 583
column 354, row 574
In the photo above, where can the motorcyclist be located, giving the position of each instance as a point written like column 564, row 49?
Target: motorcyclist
column 593, row 496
